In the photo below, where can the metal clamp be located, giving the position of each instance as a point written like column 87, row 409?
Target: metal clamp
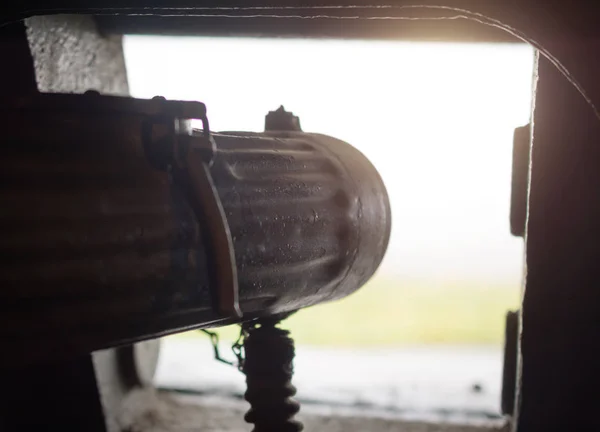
column 190, row 156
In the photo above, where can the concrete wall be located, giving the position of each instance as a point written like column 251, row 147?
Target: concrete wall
column 71, row 56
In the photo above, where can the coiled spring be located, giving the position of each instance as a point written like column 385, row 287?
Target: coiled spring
column 268, row 366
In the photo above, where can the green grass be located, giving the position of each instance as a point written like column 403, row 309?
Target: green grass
column 385, row 313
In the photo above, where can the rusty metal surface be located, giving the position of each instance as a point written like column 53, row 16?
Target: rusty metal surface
column 309, row 215
column 195, row 155
column 100, row 248
column 94, row 251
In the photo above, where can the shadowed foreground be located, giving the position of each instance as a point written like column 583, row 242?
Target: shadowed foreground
column 168, row 413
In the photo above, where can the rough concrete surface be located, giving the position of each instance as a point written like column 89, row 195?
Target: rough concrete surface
column 150, row 411
column 70, row 56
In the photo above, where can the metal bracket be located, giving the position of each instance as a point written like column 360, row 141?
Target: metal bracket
column 190, row 154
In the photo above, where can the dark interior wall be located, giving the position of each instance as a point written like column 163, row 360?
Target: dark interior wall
column 71, row 56
column 560, row 315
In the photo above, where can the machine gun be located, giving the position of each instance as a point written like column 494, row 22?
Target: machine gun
column 122, row 222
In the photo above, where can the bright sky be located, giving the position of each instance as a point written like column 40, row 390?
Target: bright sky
column 435, row 119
